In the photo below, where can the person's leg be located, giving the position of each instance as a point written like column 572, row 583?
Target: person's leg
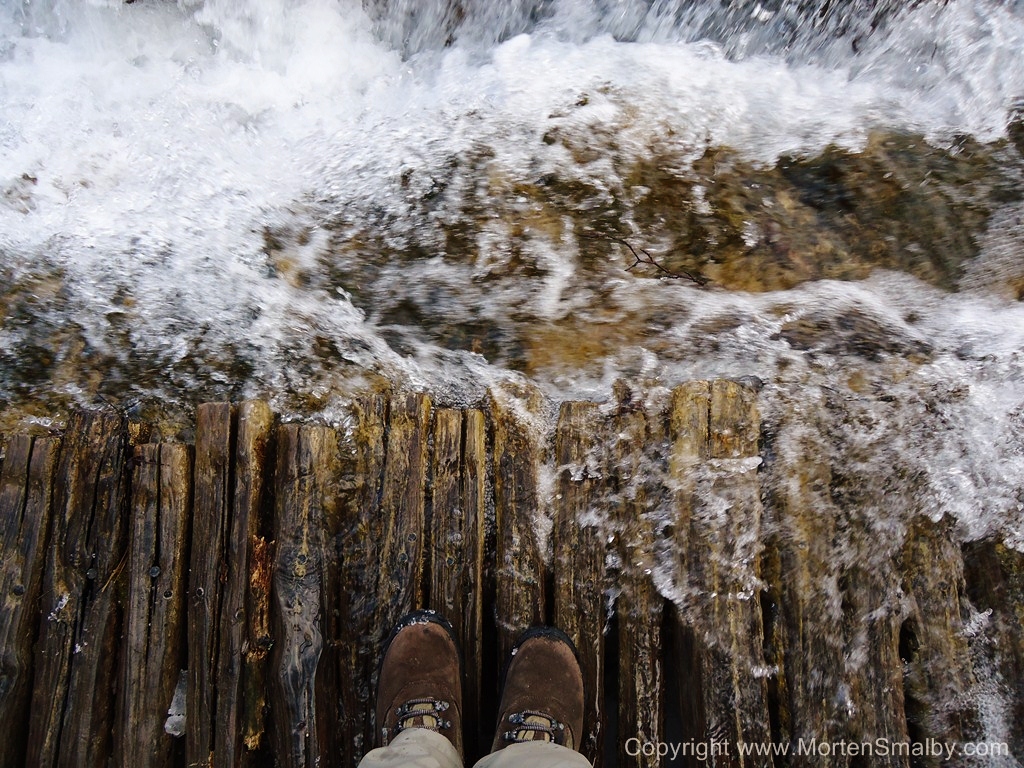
column 414, row 748
column 537, row 754
column 541, row 710
column 419, row 697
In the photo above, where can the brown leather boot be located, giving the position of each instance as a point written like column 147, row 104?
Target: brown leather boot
column 420, row 681
column 542, row 699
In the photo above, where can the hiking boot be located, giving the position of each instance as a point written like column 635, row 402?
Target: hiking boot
column 542, row 699
column 420, row 681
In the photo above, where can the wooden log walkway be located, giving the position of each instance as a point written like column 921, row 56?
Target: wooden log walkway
column 225, row 603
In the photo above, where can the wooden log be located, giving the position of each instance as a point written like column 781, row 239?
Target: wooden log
column 734, row 427
column 639, row 606
column 457, row 537
column 254, row 683
column 938, row 673
column 153, row 642
column 688, row 414
column 240, row 692
column 519, row 565
column 720, row 519
column 356, row 603
column 211, row 523
column 994, row 573
column 382, row 574
column 873, row 669
column 307, row 464
column 474, row 506
column 328, row 458
column 803, row 603
column 579, row 575
column 77, row 658
column 400, row 588
column 26, row 485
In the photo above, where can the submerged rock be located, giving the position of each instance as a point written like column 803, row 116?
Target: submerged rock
column 527, row 271
column 851, row 334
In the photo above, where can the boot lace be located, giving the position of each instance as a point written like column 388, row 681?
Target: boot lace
column 426, row 711
column 528, row 725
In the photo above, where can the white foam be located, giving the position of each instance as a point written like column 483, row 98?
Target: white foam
column 145, row 147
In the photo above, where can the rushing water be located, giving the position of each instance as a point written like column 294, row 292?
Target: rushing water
column 282, row 198
column 271, row 198
column 291, row 199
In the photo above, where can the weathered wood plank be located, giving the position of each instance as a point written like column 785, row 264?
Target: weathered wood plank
column 720, row 517
column 403, row 502
column 307, row 465
column 579, row 556
column 938, row 675
column 734, row 426
column 688, row 414
column 356, row 602
column 803, row 604
column 456, row 563
column 329, row 461
column 76, row 665
column 211, row 526
column 519, row 566
column 446, row 534
column 994, row 573
column 237, row 674
column 26, row 486
column 254, row 683
column 153, row 641
column 474, row 506
column 639, row 605
column 873, row 669
column 399, row 525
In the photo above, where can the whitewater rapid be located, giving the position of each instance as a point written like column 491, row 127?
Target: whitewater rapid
column 148, row 151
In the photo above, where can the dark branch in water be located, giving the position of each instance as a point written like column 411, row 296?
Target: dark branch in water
column 644, row 257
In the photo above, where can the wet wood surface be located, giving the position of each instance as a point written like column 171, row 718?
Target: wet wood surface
column 153, row 642
column 307, row 463
column 211, row 522
column 519, row 562
column 714, row 432
column 579, row 556
column 75, row 680
column 457, row 502
column 640, row 608
column 255, row 576
column 26, row 487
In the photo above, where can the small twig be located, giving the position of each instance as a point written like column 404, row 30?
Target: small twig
column 649, row 260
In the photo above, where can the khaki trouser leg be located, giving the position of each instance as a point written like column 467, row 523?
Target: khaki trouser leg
column 414, row 748
column 420, row 748
column 535, row 755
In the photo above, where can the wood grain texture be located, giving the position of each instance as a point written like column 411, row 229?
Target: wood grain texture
column 579, row 557
column 238, row 679
column 400, row 587
column 75, row 684
column 359, row 544
column 639, row 605
column 307, row 465
column 26, row 490
column 719, row 530
column 519, row 565
column 457, row 500
column 153, row 642
column 211, row 525
column 803, row 604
